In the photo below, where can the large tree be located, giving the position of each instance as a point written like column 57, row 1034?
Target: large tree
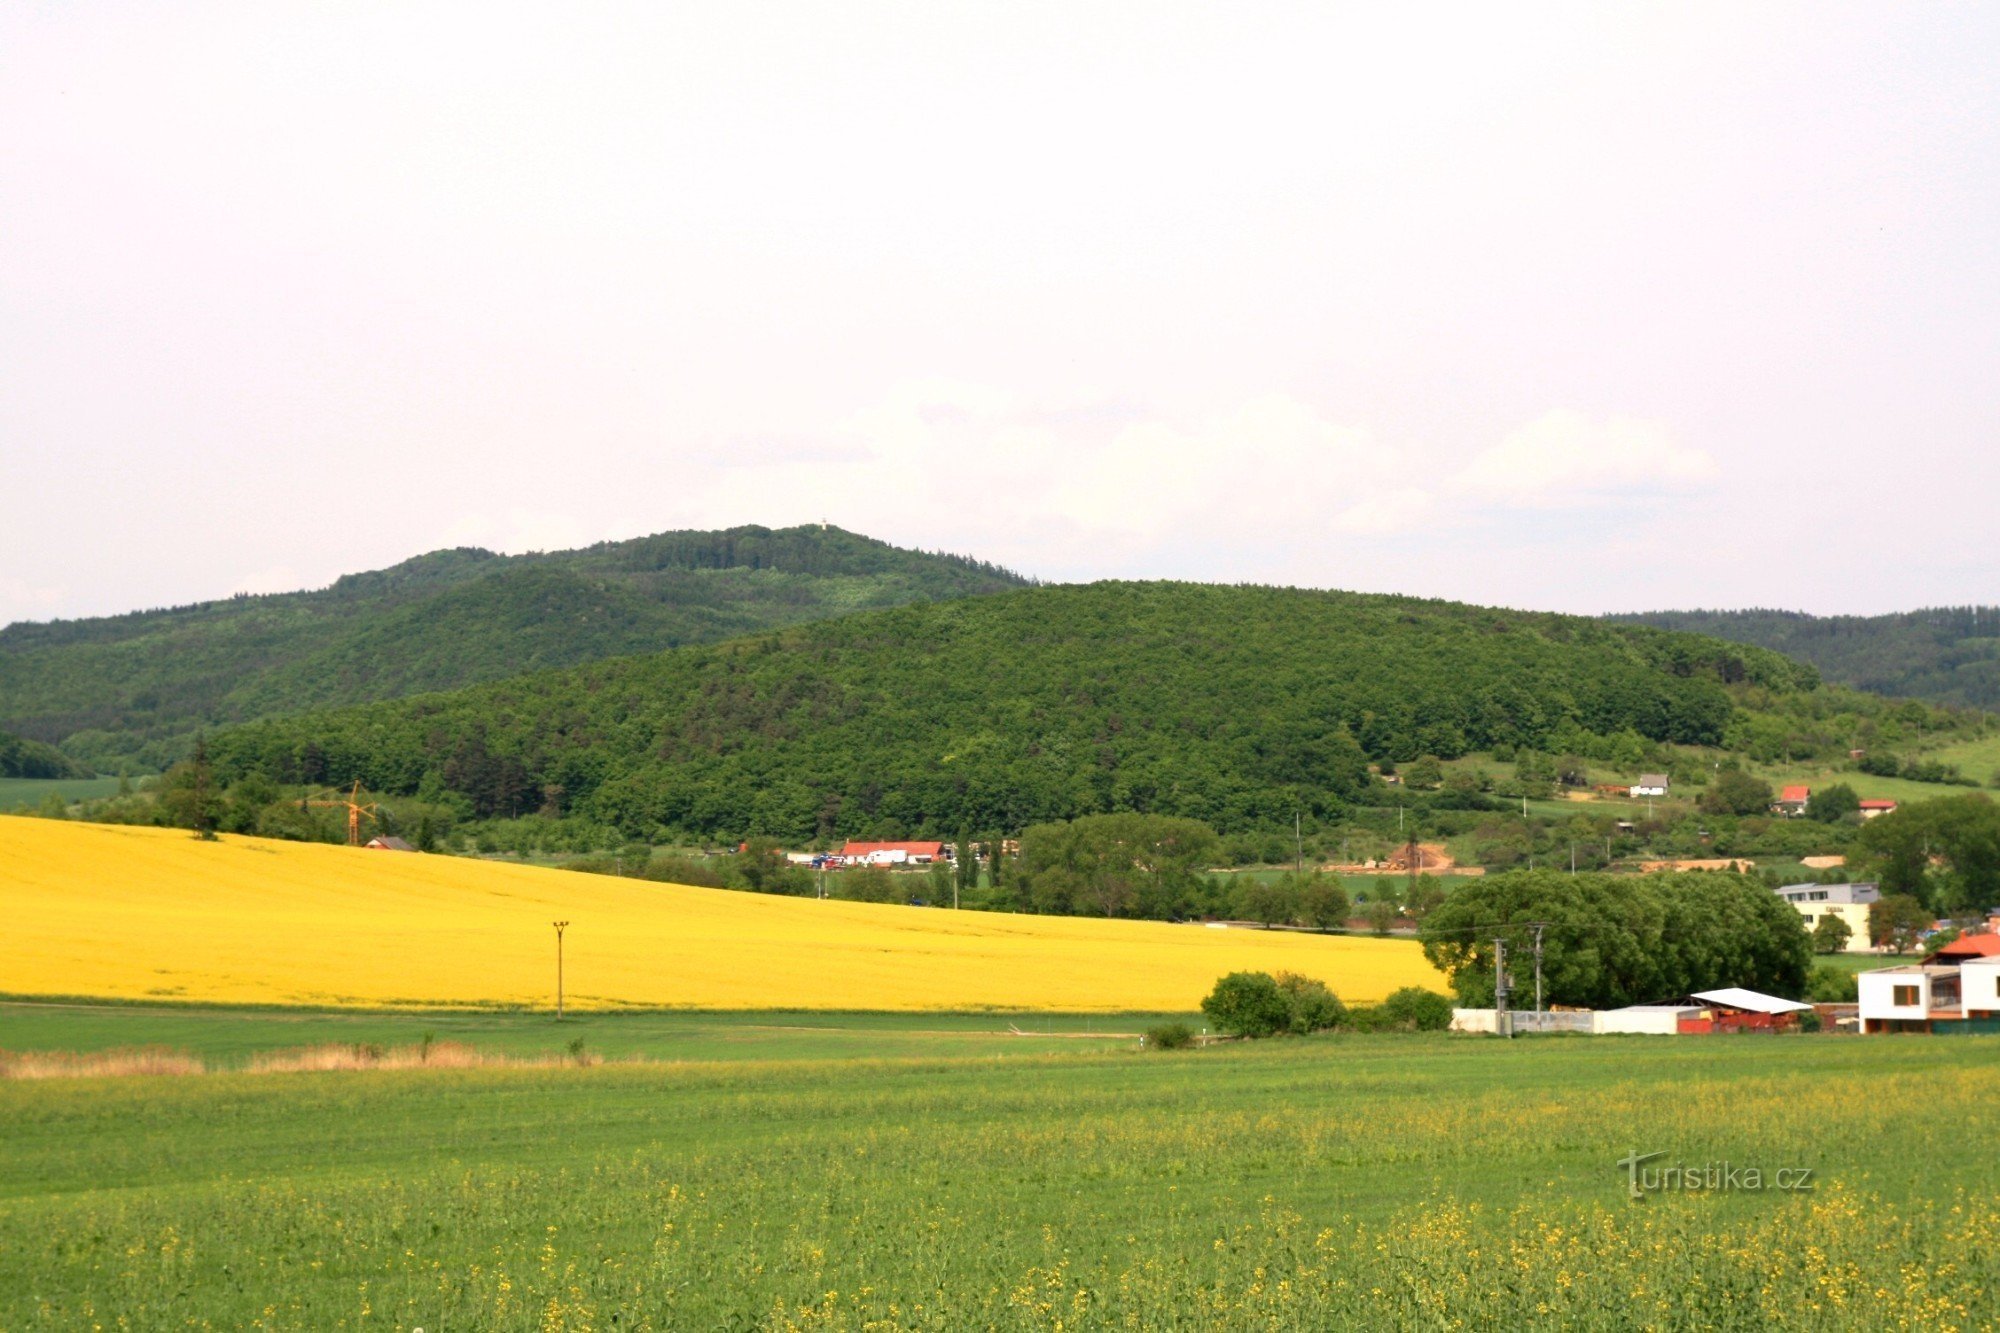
column 1118, row 865
column 1944, row 853
column 1610, row 940
column 1897, row 922
column 1735, row 792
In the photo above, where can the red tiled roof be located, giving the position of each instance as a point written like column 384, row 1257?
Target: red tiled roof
column 1794, row 795
column 1971, row 946
column 907, row 848
column 1878, row 805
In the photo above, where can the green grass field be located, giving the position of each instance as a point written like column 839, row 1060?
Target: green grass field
column 16, row 793
column 1345, row 1181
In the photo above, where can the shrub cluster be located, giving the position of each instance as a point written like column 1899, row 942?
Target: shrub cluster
column 1257, row 1004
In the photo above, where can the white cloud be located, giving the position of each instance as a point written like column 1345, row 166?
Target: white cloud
column 1400, row 510
column 994, row 470
column 1565, row 457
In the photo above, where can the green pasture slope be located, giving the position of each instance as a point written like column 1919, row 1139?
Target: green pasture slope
column 19, row 793
column 1338, row 1182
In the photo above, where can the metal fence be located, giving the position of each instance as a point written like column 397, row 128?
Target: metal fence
column 1530, row 1020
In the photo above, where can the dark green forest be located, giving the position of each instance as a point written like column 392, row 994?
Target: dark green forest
column 1238, row 706
column 1948, row 654
column 22, row 758
column 131, row 689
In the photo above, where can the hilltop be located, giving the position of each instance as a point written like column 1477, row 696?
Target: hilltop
column 144, row 913
column 132, row 688
column 1948, row 654
column 1235, row 705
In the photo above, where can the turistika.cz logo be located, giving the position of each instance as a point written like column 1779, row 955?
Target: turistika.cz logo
column 1708, row 1177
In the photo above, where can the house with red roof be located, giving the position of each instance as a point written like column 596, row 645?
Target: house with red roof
column 1876, row 809
column 1967, row 947
column 1792, row 800
column 893, row 853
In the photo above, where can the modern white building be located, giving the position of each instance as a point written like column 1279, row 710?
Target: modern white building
column 1956, row 989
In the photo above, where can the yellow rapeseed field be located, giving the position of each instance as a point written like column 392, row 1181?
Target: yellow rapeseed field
column 139, row 913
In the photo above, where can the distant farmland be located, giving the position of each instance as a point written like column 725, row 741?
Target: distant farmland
column 154, row 914
column 17, row 793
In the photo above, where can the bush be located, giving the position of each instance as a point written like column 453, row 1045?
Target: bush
column 1832, row 985
column 1169, row 1036
column 1312, row 1006
column 1416, row 1010
column 1248, row 1004
column 1809, row 1021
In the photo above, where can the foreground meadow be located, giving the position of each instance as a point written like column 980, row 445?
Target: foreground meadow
column 1319, row 1183
column 140, row 913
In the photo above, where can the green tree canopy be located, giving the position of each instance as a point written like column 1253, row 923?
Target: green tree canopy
column 1117, row 865
column 1612, row 940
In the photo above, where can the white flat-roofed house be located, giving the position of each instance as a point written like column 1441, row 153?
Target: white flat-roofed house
column 1908, row 998
column 1956, row 989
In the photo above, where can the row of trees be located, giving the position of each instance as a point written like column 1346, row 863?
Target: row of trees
column 1608, row 941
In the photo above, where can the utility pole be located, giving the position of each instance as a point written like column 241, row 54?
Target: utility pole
column 560, row 926
column 1572, row 858
column 1538, row 974
column 1501, row 1021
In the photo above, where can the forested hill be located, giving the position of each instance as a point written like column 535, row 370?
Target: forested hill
column 1236, row 705
column 1948, row 654
column 132, row 687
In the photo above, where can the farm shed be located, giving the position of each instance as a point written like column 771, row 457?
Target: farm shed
column 1734, row 1009
column 1650, row 784
column 1659, row 1020
column 390, row 845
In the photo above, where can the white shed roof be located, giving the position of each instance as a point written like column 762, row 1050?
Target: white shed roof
column 1735, row 997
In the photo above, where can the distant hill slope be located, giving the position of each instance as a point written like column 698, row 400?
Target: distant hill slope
column 1237, row 705
column 1948, row 655
column 131, row 687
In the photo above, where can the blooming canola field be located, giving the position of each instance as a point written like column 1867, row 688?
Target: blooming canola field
column 131, row 913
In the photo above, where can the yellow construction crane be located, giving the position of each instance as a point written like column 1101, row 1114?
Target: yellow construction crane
column 356, row 811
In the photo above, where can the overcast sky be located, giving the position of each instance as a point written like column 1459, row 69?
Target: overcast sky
column 1591, row 308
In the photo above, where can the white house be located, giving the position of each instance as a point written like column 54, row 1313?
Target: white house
column 1955, row 989
column 1849, row 902
column 1650, row 784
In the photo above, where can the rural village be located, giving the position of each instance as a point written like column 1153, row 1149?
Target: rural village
column 1035, row 668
